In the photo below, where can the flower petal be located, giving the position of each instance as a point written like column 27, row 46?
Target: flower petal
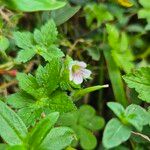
column 77, row 79
column 86, row 73
column 81, row 64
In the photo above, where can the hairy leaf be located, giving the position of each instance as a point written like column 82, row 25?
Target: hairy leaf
column 12, row 129
column 140, row 80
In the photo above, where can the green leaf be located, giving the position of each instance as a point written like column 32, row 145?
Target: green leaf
column 94, row 52
column 17, row 147
column 42, row 42
column 29, row 84
column 99, row 12
column 58, row 138
column 87, row 139
column 52, row 52
column 140, row 81
column 61, row 102
column 48, row 77
column 83, row 122
column 12, row 129
column 34, row 5
column 117, row 109
column 80, row 93
column 89, row 120
column 20, row 100
column 25, row 55
column 29, row 115
column 145, row 3
column 39, row 133
column 4, row 43
column 63, row 14
column 47, row 35
column 115, row 77
column 3, row 146
column 24, row 40
column 137, row 116
column 68, row 119
column 115, row 133
column 120, row 48
column 145, row 12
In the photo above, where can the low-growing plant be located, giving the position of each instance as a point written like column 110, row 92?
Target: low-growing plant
column 62, row 62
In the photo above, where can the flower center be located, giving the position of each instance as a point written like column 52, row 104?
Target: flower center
column 76, row 68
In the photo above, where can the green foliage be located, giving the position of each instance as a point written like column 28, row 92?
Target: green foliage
column 115, row 77
column 43, row 58
column 39, row 133
column 43, row 136
column 120, row 48
column 39, row 93
column 144, row 12
column 63, row 14
column 40, row 42
column 99, row 12
column 140, row 80
column 80, row 93
column 4, row 43
column 83, row 122
column 115, row 133
column 58, row 139
column 12, row 129
column 118, row 131
column 35, row 5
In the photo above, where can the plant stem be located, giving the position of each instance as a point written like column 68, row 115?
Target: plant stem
column 142, row 135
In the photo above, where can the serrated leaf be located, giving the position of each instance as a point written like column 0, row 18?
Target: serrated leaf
column 29, row 84
column 25, row 55
column 29, row 115
column 20, row 100
column 48, row 77
column 117, row 108
column 52, row 52
column 61, row 102
column 39, row 133
column 34, row 5
column 58, row 138
column 115, row 133
column 140, row 80
column 47, row 35
column 24, row 40
column 12, row 129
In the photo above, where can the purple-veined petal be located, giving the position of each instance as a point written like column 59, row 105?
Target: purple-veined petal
column 77, row 78
column 86, row 73
column 81, row 64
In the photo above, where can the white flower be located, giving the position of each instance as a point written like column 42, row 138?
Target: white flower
column 77, row 72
